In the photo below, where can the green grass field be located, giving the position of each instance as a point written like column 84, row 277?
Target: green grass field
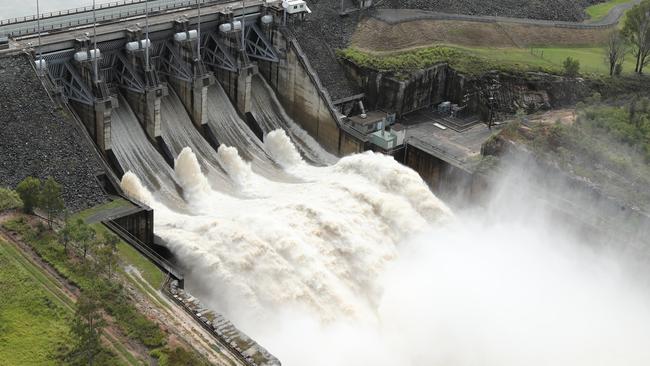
column 33, row 322
column 599, row 11
column 592, row 59
column 477, row 60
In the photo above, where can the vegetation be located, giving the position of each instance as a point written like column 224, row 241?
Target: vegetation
column 478, row 60
column 86, row 329
column 50, row 199
column 615, row 51
column 608, row 145
column 29, row 190
column 47, row 196
column 636, row 29
column 571, row 67
column 94, row 273
column 465, row 60
column 32, row 319
column 9, row 199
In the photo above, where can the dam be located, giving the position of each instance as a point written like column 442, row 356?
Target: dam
column 302, row 224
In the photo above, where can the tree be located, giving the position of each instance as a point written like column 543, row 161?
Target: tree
column 84, row 236
column 615, row 51
column 65, row 234
column 29, row 190
column 571, row 67
column 637, row 30
column 50, row 199
column 87, row 325
column 107, row 254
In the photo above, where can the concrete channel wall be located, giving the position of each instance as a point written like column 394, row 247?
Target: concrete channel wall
column 304, row 97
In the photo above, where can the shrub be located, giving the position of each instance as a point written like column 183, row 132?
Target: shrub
column 571, row 67
column 9, row 199
column 29, row 191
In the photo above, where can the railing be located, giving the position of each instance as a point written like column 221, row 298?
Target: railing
column 68, row 12
column 156, row 258
column 134, row 8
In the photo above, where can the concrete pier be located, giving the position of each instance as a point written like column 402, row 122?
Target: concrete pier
column 147, row 108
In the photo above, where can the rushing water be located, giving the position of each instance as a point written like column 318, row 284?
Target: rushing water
column 358, row 263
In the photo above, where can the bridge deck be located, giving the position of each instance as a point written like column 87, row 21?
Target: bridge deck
column 118, row 15
column 117, row 29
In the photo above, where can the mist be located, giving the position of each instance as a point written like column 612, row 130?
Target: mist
column 360, row 264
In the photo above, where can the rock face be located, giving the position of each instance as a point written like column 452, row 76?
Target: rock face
column 38, row 139
column 530, row 92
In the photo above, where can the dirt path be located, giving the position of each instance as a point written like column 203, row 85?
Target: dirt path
column 68, row 294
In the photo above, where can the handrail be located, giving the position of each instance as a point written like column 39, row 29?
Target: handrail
column 156, row 258
column 73, row 11
column 31, row 28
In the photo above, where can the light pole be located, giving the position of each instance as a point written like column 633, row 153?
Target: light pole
column 243, row 27
column 38, row 24
column 95, row 66
column 198, row 32
column 146, row 35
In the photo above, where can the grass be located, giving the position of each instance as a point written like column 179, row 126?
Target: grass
column 130, row 256
column 470, row 61
column 599, row 11
column 478, row 60
column 33, row 321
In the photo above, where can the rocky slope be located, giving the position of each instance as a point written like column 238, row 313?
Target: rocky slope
column 38, row 139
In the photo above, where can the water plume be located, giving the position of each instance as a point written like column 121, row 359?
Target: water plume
column 238, row 170
column 188, row 172
column 132, row 187
column 282, row 150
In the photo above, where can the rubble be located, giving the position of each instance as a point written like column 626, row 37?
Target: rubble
column 222, row 328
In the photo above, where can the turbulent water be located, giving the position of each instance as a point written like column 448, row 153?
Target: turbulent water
column 358, row 263
column 230, row 130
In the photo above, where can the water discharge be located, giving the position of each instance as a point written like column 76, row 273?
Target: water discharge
column 358, row 263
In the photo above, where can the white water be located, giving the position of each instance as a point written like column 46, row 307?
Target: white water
column 361, row 264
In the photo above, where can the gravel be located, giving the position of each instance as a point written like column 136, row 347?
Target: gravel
column 38, row 139
column 325, row 30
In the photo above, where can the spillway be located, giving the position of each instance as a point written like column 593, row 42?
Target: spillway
column 231, row 130
column 179, row 132
column 135, row 153
column 270, row 114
